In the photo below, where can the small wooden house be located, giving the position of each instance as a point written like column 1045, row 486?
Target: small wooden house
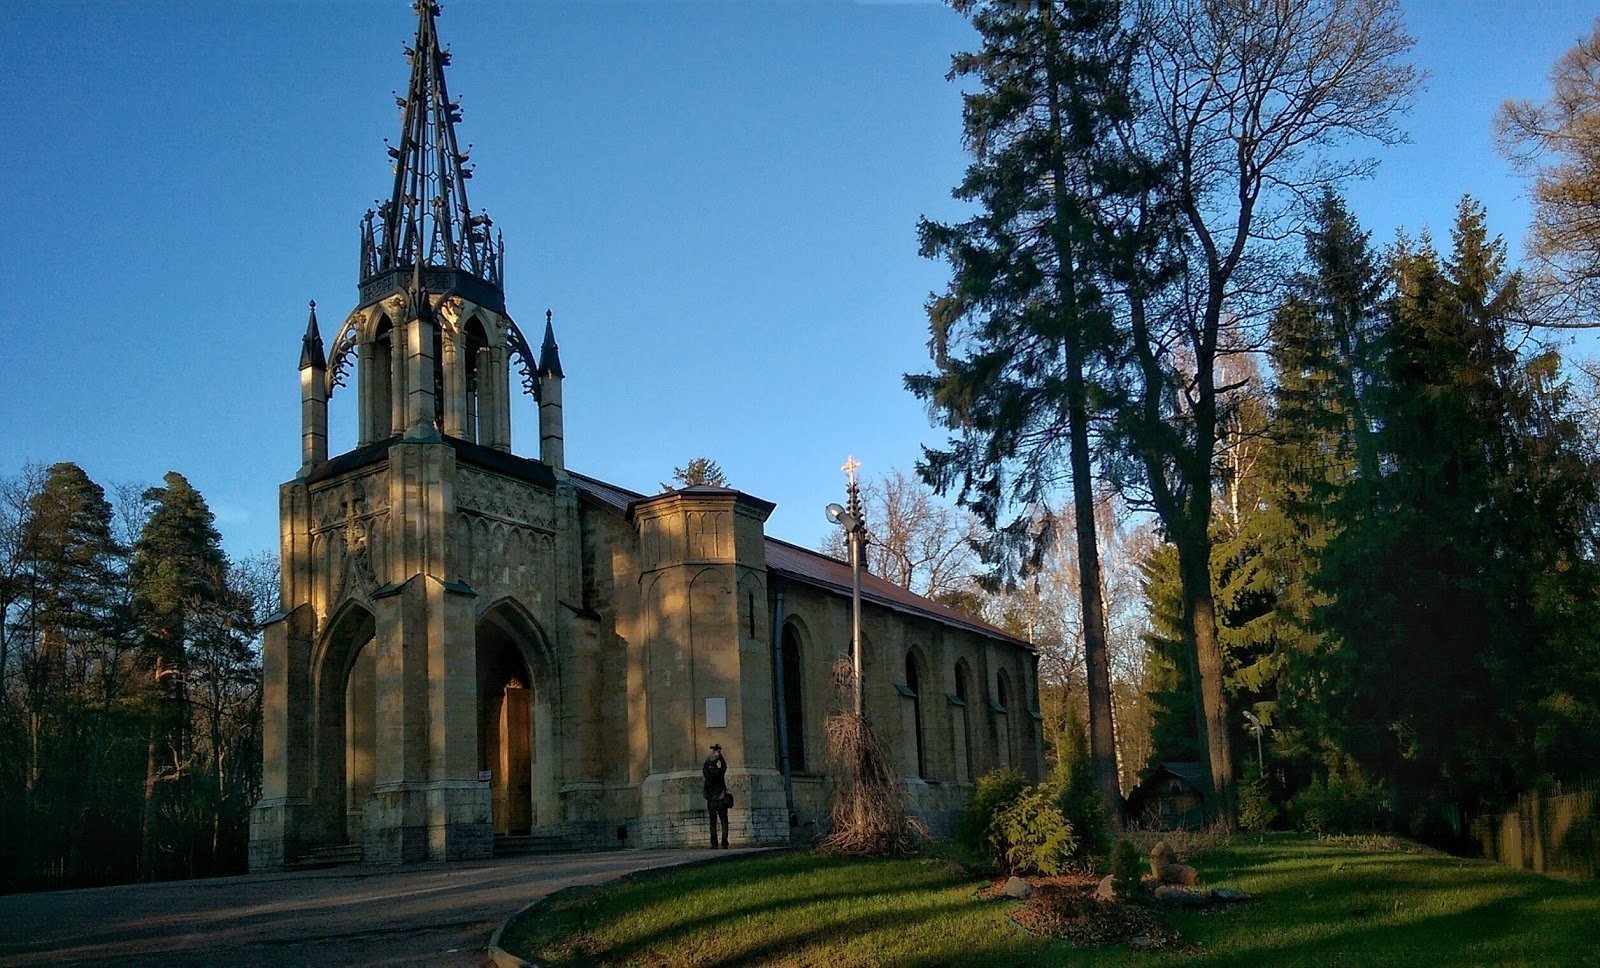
column 1171, row 795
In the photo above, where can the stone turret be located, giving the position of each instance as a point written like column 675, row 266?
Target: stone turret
column 313, row 397
column 552, row 446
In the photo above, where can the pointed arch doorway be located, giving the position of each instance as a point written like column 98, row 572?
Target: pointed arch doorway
column 517, row 746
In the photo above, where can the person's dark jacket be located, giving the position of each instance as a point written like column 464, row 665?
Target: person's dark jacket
column 713, row 771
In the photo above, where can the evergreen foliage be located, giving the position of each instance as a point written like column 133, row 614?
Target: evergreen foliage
column 1030, row 836
column 1073, row 782
column 699, row 472
column 1024, row 338
column 129, row 684
column 1461, row 582
column 1257, row 812
column 1127, row 870
column 1407, row 597
column 993, row 792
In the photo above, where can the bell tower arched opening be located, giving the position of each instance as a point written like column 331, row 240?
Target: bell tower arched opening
column 378, row 384
column 476, row 354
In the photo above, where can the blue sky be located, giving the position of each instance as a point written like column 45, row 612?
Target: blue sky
column 718, row 201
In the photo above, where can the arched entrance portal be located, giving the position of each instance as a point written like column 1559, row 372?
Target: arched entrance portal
column 517, row 745
column 345, row 731
column 360, row 737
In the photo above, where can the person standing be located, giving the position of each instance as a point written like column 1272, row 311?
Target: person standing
column 716, row 792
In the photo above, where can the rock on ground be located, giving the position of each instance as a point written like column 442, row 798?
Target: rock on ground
column 1179, row 896
column 1161, row 855
column 1105, row 890
column 1180, row 874
column 1018, row 888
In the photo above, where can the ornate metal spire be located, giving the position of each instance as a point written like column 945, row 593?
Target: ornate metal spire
column 427, row 211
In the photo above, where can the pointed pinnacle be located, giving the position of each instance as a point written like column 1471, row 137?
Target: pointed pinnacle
column 549, row 353
column 311, row 351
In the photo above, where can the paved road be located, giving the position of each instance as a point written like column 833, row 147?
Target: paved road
column 427, row 914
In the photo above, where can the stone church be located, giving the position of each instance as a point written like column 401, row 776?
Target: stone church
column 479, row 648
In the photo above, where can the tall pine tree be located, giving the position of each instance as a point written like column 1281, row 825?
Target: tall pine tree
column 180, row 597
column 1022, row 338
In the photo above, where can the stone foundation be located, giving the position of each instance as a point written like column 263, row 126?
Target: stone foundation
column 460, row 820
column 674, row 810
column 275, row 833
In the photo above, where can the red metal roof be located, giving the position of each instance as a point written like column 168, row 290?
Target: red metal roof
column 814, row 568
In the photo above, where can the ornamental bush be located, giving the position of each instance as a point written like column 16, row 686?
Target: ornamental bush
column 1340, row 806
column 1256, row 809
column 1127, row 870
column 1030, row 835
column 994, row 790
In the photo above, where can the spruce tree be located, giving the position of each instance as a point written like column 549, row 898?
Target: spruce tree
column 1326, row 348
column 68, row 623
column 1460, row 582
column 1024, row 338
column 180, row 597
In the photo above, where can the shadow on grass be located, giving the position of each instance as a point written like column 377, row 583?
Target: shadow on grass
column 1481, row 934
column 704, row 903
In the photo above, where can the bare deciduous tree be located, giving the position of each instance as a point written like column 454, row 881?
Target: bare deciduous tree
column 1249, row 104
column 918, row 542
column 1557, row 145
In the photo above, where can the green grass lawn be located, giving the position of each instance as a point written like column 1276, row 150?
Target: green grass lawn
column 1322, row 904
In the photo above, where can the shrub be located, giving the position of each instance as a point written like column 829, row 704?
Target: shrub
column 1340, row 806
column 1127, row 870
column 1072, row 778
column 1030, row 834
column 868, row 815
column 994, row 790
column 1256, row 809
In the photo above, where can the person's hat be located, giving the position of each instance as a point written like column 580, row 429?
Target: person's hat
column 716, row 746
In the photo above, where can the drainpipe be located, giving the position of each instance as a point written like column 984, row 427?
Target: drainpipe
column 783, row 711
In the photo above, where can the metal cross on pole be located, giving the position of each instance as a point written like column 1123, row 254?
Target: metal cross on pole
column 854, row 523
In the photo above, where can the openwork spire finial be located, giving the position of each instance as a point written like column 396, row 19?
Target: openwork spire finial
column 427, row 212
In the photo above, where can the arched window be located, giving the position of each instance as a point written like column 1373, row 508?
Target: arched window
column 914, row 694
column 380, row 398
column 794, row 717
column 1003, row 716
column 476, row 355
column 964, row 721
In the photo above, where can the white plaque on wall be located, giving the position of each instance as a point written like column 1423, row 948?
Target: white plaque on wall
column 716, row 711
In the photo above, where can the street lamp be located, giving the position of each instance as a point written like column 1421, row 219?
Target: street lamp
column 1257, row 728
column 855, row 529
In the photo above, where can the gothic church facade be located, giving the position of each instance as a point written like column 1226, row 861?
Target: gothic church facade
column 479, row 648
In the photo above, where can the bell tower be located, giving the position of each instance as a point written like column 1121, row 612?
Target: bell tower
column 422, row 568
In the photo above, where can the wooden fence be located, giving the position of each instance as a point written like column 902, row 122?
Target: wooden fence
column 1551, row 833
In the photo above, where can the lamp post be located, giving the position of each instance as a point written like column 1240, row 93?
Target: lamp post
column 855, row 528
column 1257, row 728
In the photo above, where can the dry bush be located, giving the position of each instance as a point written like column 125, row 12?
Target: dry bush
column 1373, row 843
column 869, row 815
column 1186, row 843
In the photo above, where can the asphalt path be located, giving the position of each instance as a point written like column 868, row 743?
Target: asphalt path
column 423, row 914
